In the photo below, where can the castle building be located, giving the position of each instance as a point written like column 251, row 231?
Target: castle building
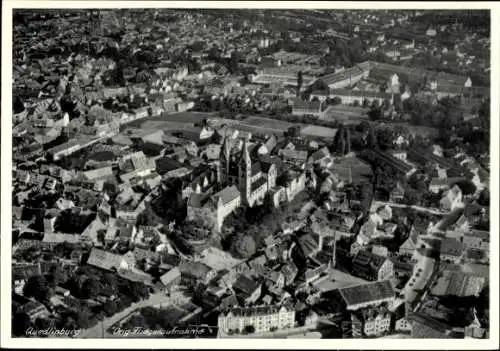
column 245, row 180
column 255, row 177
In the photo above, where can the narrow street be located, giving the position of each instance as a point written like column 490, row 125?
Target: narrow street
column 377, row 204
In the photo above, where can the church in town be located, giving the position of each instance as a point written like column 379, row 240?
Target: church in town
column 246, row 177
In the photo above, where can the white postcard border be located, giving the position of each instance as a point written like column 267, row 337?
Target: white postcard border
column 6, row 176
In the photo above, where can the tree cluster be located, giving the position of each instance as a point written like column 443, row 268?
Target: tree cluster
column 342, row 140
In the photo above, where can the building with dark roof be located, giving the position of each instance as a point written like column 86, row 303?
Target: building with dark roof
column 381, row 157
column 423, row 157
column 195, row 272
column 307, row 108
column 247, row 289
column 370, row 266
column 345, row 78
column 426, row 327
column 171, row 279
column 366, row 295
column 107, row 260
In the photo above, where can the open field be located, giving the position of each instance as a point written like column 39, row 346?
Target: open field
column 318, row 131
column 360, row 170
column 267, row 123
column 181, row 117
column 148, row 127
column 345, row 114
column 253, row 124
column 256, row 129
column 421, row 130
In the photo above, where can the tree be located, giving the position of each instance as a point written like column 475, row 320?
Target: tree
column 385, row 138
column 56, row 276
column 37, row 287
column 363, row 127
column 299, row 82
column 109, row 283
column 375, row 112
column 233, row 62
column 348, row 140
column 31, row 254
column 42, row 323
column 336, row 100
column 339, row 136
column 83, row 317
column 250, row 329
column 109, row 308
column 412, row 197
column 18, row 105
column 342, row 146
column 466, row 186
column 385, row 104
column 365, row 194
column 20, row 323
column 372, row 140
column 243, row 246
column 138, row 291
column 484, row 198
column 90, row 288
column 293, row 132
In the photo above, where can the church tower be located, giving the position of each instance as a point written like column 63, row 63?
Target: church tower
column 225, row 161
column 245, row 173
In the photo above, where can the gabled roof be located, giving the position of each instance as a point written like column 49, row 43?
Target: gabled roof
column 368, row 292
column 245, row 285
column 369, row 259
column 99, row 173
column 195, row 269
column 104, row 259
column 426, row 326
column 320, row 154
column 340, row 76
column 304, row 104
column 170, row 276
column 228, row 194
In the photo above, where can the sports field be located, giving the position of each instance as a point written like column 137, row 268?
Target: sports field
column 181, row 117
column 345, row 114
column 267, row 123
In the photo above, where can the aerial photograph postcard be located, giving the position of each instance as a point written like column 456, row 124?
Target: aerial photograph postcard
column 232, row 173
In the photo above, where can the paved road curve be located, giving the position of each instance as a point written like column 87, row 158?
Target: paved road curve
column 97, row 331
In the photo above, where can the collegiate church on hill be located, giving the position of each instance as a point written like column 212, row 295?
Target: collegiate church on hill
column 246, row 179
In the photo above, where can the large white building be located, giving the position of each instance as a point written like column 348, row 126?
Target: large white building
column 261, row 318
column 350, row 96
column 305, row 108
